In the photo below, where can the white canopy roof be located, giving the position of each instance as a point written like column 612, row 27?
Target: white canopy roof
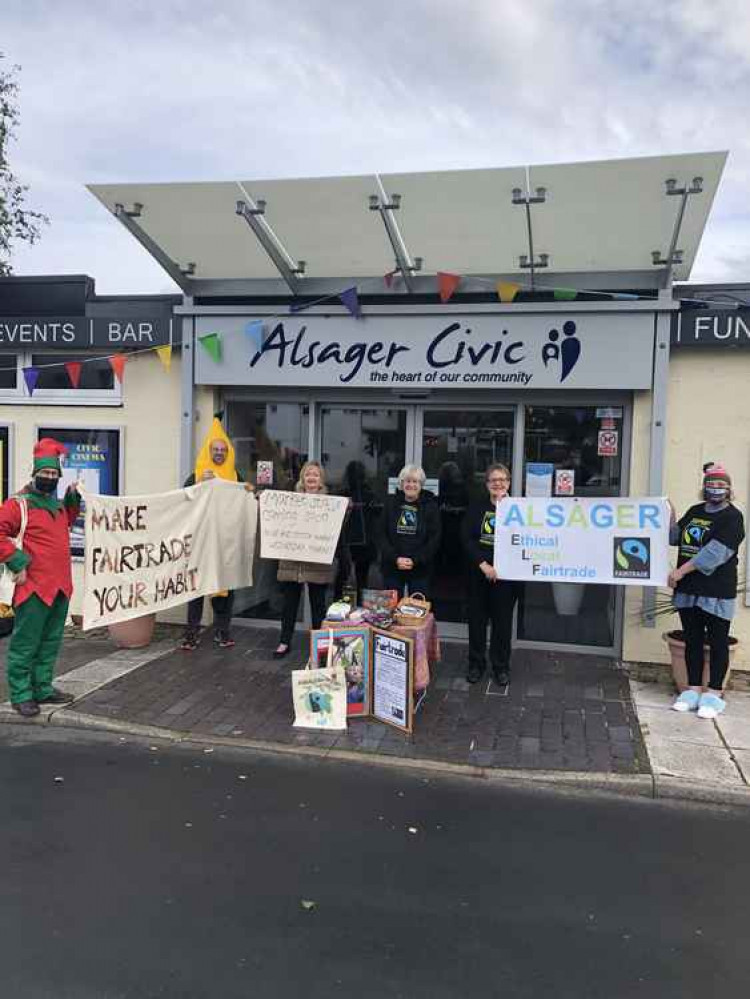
column 603, row 217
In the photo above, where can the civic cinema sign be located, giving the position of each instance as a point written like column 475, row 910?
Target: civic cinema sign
column 711, row 328
column 81, row 332
column 481, row 350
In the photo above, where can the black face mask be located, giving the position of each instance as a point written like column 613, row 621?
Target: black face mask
column 44, row 485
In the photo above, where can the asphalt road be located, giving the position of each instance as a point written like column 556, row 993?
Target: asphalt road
column 171, row 872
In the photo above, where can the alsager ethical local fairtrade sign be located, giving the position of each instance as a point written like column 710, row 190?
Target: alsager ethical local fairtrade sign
column 620, row 541
column 572, row 350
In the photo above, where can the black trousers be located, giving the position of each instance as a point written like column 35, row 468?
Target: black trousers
column 222, row 608
column 491, row 603
column 417, row 580
column 292, row 593
column 702, row 629
column 361, row 572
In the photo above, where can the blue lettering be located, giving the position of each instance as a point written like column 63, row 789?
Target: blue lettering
column 555, row 515
column 432, row 360
column 649, row 516
column 514, row 516
column 601, row 515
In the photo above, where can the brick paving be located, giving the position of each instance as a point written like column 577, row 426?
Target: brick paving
column 560, row 712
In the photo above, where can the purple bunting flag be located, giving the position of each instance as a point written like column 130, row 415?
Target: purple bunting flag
column 31, row 377
column 350, row 300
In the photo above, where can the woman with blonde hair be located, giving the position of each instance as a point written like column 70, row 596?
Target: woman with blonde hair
column 294, row 575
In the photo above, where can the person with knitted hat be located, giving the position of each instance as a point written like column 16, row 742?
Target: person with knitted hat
column 216, row 460
column 708, row 537
column 44, row 583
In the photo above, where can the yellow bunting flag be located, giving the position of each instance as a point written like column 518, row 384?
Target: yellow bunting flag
column 507, row 291
column 165, row 356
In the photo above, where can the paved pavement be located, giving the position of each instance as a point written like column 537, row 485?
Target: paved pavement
column 560, row 712
column 686, row 747
column 183, row 874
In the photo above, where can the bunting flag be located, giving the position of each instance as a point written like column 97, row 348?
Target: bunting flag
column 117, row 362
column 74, row 369
column 350, row 299
column 564, row 294
column 165, row 356
column 255, row 332
column 388, row 278
column 623, row 296
column 447, row 284
column 211, row 343
column 507, row 290
column 31, row 377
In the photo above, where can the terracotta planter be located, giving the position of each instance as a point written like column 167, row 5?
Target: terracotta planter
column 133, row 634
column 676, row 646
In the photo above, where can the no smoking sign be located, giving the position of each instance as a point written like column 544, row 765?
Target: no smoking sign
column 607, row 443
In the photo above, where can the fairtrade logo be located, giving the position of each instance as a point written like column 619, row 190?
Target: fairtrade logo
column 564, row 353
column 320, row 703
column 631, row 558
column 693, row 535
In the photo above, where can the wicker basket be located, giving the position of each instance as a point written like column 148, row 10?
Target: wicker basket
column 412, row 609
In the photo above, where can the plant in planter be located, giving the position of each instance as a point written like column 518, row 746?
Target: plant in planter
column 675, row 640
column 133, row 634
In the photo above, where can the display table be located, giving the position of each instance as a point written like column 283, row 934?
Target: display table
column 424, row 634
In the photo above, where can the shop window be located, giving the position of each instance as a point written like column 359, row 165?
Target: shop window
column 96, row 373
column 92, row 459
column 8, row 371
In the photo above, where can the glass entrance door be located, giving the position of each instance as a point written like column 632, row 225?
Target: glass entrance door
column 571, row 451
column 458, row 445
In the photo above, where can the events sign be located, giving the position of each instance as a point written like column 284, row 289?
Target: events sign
column 80, row 332
column 147, row 553
column 595, row 540
column 525, row 350
column 304, row 527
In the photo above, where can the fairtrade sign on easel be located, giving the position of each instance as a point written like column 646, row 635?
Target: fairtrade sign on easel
column 393, row 680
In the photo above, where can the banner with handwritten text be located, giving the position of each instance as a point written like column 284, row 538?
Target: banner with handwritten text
column 304, row 527
column 147, row 553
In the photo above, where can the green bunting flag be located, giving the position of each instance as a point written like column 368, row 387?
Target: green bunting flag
column 565, row 294
column 211, row 343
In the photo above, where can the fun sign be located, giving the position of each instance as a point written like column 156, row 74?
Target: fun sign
column 622, row 540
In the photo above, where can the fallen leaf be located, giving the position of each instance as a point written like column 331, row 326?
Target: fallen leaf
column 307, row 904
column 413, row 830
column 59, row 780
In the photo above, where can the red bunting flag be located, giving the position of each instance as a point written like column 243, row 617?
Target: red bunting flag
column 388, row 278
column 74, row 372
column 447, row 284
column 117, row 362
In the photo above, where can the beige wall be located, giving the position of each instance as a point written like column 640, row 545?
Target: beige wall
column 708, row 420
column 150, row 420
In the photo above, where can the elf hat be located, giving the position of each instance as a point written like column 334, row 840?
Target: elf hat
column 717, row 476
column 47, row 454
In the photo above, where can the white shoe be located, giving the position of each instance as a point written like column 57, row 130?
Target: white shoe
column 711, row 705
column 687, row 701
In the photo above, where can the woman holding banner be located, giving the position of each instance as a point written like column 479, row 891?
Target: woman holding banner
column 708, row 536
column 490, row 597
column 294, row 575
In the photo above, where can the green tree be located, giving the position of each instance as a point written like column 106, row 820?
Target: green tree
column 17, row 223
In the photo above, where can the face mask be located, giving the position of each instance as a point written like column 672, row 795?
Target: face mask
column 714, row 494
column 44, row 485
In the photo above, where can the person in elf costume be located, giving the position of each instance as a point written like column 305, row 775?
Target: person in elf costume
column 44, row 580
column 215, row 459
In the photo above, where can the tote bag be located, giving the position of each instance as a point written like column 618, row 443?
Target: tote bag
column 8, row 578
column 320, row 696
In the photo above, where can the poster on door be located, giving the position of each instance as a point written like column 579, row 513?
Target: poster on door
column 617, row 541
column 607, row 443
column 565, row 479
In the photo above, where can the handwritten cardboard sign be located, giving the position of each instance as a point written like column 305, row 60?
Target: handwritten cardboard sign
column 147, row 553
column 304, row 527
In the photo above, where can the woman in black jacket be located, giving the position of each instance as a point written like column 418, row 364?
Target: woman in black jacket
column 490, row 597
column 409, row 534
column 708, row 536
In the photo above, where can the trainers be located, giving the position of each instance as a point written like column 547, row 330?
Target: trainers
column 222, row 639
column 56, row 697
column 711, row 705
column 190, row 641
column 27, row 709
column 687, row 701
column 474, row 674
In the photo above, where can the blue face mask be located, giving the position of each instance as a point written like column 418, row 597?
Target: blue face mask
column 713, row 494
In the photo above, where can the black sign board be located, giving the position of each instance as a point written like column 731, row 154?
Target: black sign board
column 711, row 328
column 45, row 333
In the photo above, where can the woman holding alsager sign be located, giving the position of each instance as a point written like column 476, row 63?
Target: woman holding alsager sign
column 294, row 575
column 490, row 597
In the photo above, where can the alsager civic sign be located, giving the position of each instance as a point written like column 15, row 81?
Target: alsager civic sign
column 579, row 351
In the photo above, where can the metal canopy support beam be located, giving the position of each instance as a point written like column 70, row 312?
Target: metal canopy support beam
column 180, row 276
column 674, row 256
column 530, row 262
column 253, row 212
column 187, row 391
column 386, row 206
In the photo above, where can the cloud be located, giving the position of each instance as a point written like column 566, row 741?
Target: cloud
column 179, row 90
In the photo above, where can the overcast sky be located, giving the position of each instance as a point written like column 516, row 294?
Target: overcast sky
column 182, row 90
